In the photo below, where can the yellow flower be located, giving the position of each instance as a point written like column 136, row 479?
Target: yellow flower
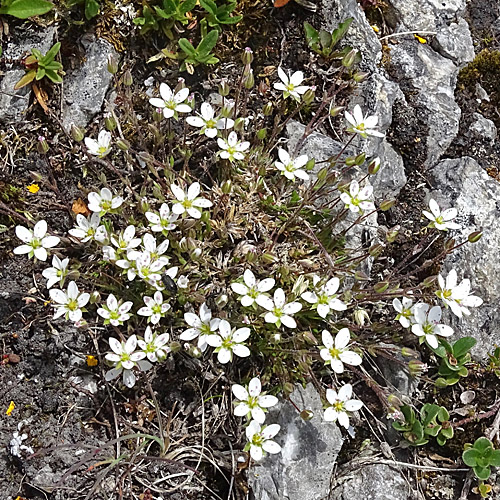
column 33, row 188
column 91, row 360
column 10, row 409
column 420, row 39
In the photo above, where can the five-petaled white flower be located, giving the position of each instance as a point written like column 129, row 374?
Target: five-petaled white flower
column 102, row 146
column 164, row 221
column 441, row 220
column 171, row 102
column 291, row 86
column 252, row 402
column 405, row 311
column 202, row 326
column 341, row 403
column 357, row 200
column 155, row 346
column 279, row 311
column 208, row 122
column 251, row 288
column 126, row 240
column 189, row 201
column 362, row 125
column 69, row 303
column 336, row 353
column 57, row 273
column 104, row 201
column 324, row 298
column 457, row 296
column 155, row 308
column 260, row 440
column 115, row 312
column 228, row 342
column 427, row 324
column 232, row 148
column 35, row 242
column 292, row 168
column 125, row 359
column 89, row 229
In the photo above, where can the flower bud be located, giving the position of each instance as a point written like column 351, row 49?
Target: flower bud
column 112, row 64
column 239, row 124
column 409, row 353
column 417, row 368
column 350, row 161
column 360, row 76
column 475, row 236
column 77, row 133
column 309, row 337
column 110, row 122
column 42, row 145
column 181, row 83
column 376, row 250
column 227, row 187
column 249, row 80
column 127, row 78
column 144, row 205
column 288, row 388
column 449, row 244
column 360, row 159
column 175, row 346
column 196, row 254
column 392, row 234
column 306, row 415
column 191, row 101
column 310, row 164
column 335, row 110
column 361, row 276
column 360, row 317
column 221, row 300
column 247, row 56
column 350, row 58
column 430, row 281
column 386, row 205
column 381, row 287
column 262, row 134
column 158, row 115
column 322, row 174
column 393, row 400
column 123, row 144
column 268, row 258
column 308, row 96
column 224, row 88
column 267, row 109
column 95, row 297
column 192, row 350
column 374, row 166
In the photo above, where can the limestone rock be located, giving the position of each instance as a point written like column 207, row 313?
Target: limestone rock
column 455, row 42
column 304, row 468
column 482, row 128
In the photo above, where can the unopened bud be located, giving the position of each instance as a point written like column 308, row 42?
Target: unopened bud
column 310, row 164
column 335, row 110
column 475, row 236
column 417, row 368
column 309, row 337
column 110, row 122
column 123, row 144
column 76, row 133
column 449, row 245
column 95, row 297
column 181, row 83
column 409, row 353
column 322, row 174
column 42, row 145
column 392, row 235
column 350, row 161
column 247, row 56
column 267, row 109
column 144, row 205
column 361, row 276
column 360, row 159
column 430, row 281
column 175, row 346
column 360, row 76
column 191, row 101
column 127, row 78
column 393, row 400
column 374, row 166
column 262, row 134
column 376, row 250
column 361, row 316
column 158, row 115
column 249, row 81
column 288, row 388
column 226, row 187
column 268, row 258
column 224, row 88
column 381, row 287
column 386, row 205
column 196, row 254
column 308, row 96
column 239, row 124
column 192, row 350
column 112, row 64
column 350, row 58
column 306, row 415
column 221, row 300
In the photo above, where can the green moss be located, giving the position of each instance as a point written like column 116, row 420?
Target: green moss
column 10, row 193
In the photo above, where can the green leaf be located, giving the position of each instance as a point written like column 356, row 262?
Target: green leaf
column 161, row 13
column 38, row 55
column 208, row 43
column 482, row 444
column 54, row 66
column 463, row 345
column 429, row 413
column 187, row 6
column 91, row 9
column 209, row 6
column 23, row 9
column 53, row 76
column 40, row 73
column 482, row 473
column 470, row 457
column 232, row 20
column 26, row 79
column 495, row 458
column 463, row 372
column 326, row 39
column 312, row 35
column 187, row 47
column 341, row 30
column 447, row 433
column 443, row 414
column 51, row 54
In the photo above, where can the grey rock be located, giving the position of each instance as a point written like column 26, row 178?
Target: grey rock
column 466, row 186
column 85, row 87
column 483, row 128
column 455, row 42
column 372, row 482
column 13, row 103
column 395, row 375
column 309, row 451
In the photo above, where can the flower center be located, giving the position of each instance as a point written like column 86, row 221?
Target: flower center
column 102, row 150
column 334, row 352
column 105, row 204
column 210, row 123
column 339, row 406
column 156, row 309
column 72, row 305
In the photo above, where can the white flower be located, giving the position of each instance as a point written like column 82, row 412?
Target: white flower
column 155, row 308
column 232, row 148
column 252, row 401
column 154, row 250
column 341, row 403
column 457, row 297
column 16, row 443
column 104, row 201
column 189, row 201
column 114, row 311
column 89, row 229
column 125, row 240
column 441, row 220
column 336, row 353
column 125, row 359
column 102, row 146
column 251, row 288
column 69, row 303
column 165, row 221
column 405, row 312
column 228, row 342
column 427, row 324
column 182, row 281
column 362, row 125
column 292, row 168
column 171, row 103
column 147, row 268
column 324, row 298
column 260, row 440
column 57, row 273
column 202, row 326
column 291, row 85
column 208, row 122
column 154, row 345
column 279, row 311
column 358, row 200
column 35, row 242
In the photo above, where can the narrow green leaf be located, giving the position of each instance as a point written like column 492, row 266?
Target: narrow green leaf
column 51, row 54
column 23, row 9
column 187, row 6
column 463, row 345
column 209, row 6
column 53, row 76
column 312, row 35
column 25, row 80
column 341, row 30
column 40, row 73
column 187, row 47
column 208, row 43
